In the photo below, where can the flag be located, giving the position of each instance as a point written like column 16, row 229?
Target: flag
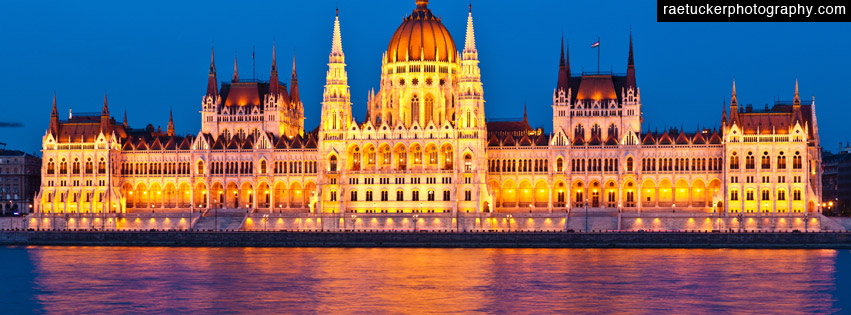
column 596, row 44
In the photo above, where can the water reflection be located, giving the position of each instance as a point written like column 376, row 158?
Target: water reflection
column 339, row 280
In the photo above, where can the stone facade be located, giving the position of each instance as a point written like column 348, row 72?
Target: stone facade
column 425, row 147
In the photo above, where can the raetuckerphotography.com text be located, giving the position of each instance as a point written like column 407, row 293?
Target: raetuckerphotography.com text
column 752, row 11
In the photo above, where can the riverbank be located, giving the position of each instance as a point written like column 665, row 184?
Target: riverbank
column 761, row 240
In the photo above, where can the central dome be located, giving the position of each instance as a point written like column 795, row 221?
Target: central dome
column 421, row 33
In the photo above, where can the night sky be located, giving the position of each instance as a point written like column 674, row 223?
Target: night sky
column 152, row 56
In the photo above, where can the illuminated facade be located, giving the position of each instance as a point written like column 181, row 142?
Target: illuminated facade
column 425, row 147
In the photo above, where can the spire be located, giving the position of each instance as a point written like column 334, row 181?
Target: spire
column 294, row 98
column 470, row 51
column 734, row 106
column 724, row 112
column 212, row 83
column 125, row 118
column 54, row 118
column 337, row 41
column 273, row 78
column 630, row 68
column 170, row 129
column 235, row 69
column 797, row 101
column 105, row 109
column 525, row 117
column 563, row 69
column 104, row 117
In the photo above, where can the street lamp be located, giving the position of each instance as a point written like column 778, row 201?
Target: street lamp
column 354, row 220
column 509, row 223
column 265, row 219
column 416, row 218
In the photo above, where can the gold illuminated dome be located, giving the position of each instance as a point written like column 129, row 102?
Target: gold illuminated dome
column 421, row 36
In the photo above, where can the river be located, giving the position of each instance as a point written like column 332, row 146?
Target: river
column 422, row 281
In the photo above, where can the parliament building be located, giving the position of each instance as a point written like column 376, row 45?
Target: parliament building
column 425, row 147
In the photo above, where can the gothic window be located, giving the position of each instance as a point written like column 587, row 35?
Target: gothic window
column 89, row 166
column 431, row 195
column 766, row 195
column 356, row 159
column 559, row 165
column 629, row 164
column 429, row 108
column 595, row 130
column 749, row 195
column 796, row 161
column 765, row 161
column 102, row 166
column 76, row 166
column 415, row 195
column 415, row 109
column 50, row 167
column 200, row 167
column 226, row 134
column 400, row 195
column 613, row 131
column 796, row 195
column 333, row 163
column 734, row 162
column 781, row 161
column 468, row 163
column 262, row 166
column 369, row 195
column 734, row 195
column 579, row 132
column 750, row 161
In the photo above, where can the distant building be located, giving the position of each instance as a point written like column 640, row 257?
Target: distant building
column 836, row 179
column 20, row 179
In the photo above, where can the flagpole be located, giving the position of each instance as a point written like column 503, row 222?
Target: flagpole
column 598, row 54
column 253, row 68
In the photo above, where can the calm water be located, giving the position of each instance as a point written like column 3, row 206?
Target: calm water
column 331, row 280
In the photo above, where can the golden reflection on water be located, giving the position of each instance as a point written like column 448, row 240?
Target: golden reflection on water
column 390, row 280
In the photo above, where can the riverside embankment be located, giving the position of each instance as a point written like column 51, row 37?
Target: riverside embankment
column 791, row 240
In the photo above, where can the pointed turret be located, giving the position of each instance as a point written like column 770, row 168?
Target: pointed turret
column 170, row 129
column 54, row 118
column 525, row 116
column 336, row 104
column 294, row 98
column 273, row 77
column 212, row 83
column 734, row 106
column 630, row 68
column 724, row 112
column 797, row 117
column 125, row 119
column 104, row 117
column 235, row 69
column 470, row 51
column 815, row 121
column 563, row 69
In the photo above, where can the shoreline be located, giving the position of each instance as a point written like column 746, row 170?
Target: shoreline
column 713, row 240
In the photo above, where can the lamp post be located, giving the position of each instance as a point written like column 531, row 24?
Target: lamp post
column 354, row 221
column 265, row 219
column 586, row 215
column 415, row 219
column 509, row 223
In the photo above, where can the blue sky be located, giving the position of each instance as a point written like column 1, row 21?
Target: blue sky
column 152, row 56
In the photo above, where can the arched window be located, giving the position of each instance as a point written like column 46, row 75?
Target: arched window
column 595, row 130
column 629, row 164
column 226, row 134
column 734, row 161
column 796, row 160
column 50, row 167
column 613, row 131
column 415, row 109
column 429, row 108
column 76, row 166
column 102, row 166
column 356, row 159
column 262, row 166
column 354, row 195
column 89, row 166
column 63, row 167
column 200, row 167
column 765, row 161
column 333, row 163
column 559, row 165
column 781, row 161
column 750, row 161
column 579, row 132
column 468, row 162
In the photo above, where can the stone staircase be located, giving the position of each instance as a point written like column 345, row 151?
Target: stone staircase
column 832, row 224
column 221, row 220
